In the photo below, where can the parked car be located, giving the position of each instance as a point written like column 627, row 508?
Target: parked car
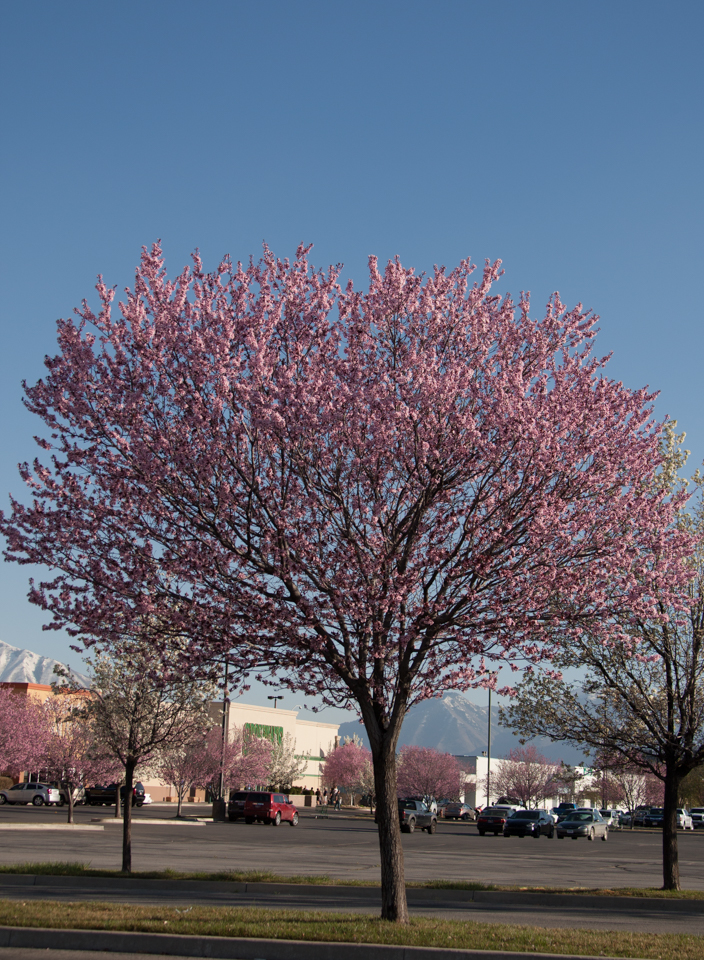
column 583, row 823
column 415, row 813
column 493, row 820
column 530, row 823
column 261, row 807
column 458, row 811
column 684, row 819
column 639, row 815
column 106, row 795
column 79, row 794
column 611, row 818
column 34, row 793
column 655, row 817
column 697, row 815
column 562, row 808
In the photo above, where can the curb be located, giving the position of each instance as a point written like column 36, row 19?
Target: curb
column 50, row 826
column 156, row 820
column 415, row 895
column 241, row 948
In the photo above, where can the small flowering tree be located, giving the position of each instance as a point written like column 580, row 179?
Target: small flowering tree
column 527, row 775
column 285, row 765
column 185, row 765
column 74, row 755
column 244, row 760
column 24, row 732
column 349, row 767
column 425, row 772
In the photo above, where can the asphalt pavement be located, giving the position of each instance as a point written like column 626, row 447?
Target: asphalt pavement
column 344, row 848
column 347, row 848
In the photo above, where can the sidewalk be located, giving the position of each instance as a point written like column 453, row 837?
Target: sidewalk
column 240, row 948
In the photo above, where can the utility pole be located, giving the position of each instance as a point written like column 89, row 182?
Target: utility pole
column 488, row 756
column 280, row 697
column 225, row 717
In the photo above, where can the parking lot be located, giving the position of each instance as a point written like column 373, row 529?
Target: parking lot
column 347, row 848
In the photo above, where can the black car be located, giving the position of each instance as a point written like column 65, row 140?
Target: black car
column 530, row 823
column 99, row 795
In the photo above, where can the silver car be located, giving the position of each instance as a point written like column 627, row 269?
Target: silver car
column 35, row 793
column 583, row 823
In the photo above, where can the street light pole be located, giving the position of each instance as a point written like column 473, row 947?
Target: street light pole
column 488, row 757
column 224, row 733
column 275, row 699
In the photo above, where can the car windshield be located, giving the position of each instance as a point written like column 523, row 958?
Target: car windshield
column 525, row 815
column 586, row 817
column 407, row 804
column 657, row 811
column 493, row 812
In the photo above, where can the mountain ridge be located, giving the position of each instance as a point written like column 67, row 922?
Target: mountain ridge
column 453, row 724
column 23, row 666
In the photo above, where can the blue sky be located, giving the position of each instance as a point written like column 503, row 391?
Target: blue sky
column 565, row 138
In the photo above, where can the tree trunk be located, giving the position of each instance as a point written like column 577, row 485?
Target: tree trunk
column 670, row 858
column 393, row 886
column 127, row 822
column 69, row 795
column 179, row 793
column 117, row 800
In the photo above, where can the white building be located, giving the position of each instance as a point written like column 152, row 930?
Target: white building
column 313, row 738
column 479, row 776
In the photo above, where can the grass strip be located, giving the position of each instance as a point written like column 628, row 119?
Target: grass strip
column 346, row 928
column 72, row 868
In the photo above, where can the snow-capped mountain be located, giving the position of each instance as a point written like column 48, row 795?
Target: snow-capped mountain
column 23, row 666
column 453, row 724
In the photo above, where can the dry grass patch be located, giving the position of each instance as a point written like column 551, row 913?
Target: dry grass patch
column 77, row 869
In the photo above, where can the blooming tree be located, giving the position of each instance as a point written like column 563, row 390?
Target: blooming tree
column 135, row 715
column 24, row 731
column 371, row 496
column 186, row 764
column 244, row 760
column 349, row 767
column 284, row 764
column 428, row 773
column 527, row 775
column 642, row 700
column 73, row 754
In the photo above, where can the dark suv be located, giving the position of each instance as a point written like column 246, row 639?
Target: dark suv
column 264, row 807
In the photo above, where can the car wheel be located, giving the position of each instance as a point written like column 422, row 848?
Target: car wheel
column 294, row 820
column 605, row 835
column 506, row 833
column 3, row 799
column 61, row 803
column 551, row 834
column 482, row 832
column 411, row 825
column 276, row 820
column 249, row 819
column 38, row 801
column 591, row 834
column 432, row 826
column 536, row 833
